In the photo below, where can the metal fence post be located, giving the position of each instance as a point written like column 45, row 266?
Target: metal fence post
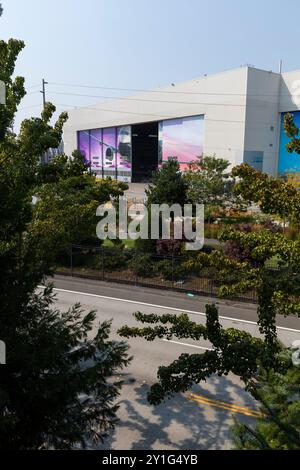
column 136, row 277
column 102, row 255
column 172, row 270
column 212, row 294
column 71, row 260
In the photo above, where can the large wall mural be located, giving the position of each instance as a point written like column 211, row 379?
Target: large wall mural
column 108, row 151
column 182, row 139
column 288, row 163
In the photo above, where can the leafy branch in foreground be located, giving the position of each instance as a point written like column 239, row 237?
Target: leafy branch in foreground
column 233, row 351
column 278, row 293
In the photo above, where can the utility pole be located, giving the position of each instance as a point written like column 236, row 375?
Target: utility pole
column 44, row 83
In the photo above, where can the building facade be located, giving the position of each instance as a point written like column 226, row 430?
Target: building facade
column 237, row 115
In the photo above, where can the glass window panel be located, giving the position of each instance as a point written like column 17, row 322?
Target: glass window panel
column 96, row 150
column 124, row 155
column 84, row 144
column 109, row 150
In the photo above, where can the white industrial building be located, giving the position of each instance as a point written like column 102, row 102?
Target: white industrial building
column 236, row 114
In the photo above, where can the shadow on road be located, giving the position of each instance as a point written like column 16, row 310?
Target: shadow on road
column 178, row 423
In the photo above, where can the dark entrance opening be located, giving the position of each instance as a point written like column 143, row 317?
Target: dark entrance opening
column 144, row 151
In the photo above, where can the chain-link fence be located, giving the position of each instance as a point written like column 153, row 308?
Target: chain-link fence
column 127, row 266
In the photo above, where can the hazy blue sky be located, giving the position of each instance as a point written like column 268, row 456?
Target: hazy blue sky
column 144, row 43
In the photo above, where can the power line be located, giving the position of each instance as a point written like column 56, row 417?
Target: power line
column 157, row 101
column 117, row 111
column 145, row 100
column 32, row 86
column 137, row 90
column 164, row 117
column 31, row 93
column 124, row 98
column 27, row 107
column 62, row 105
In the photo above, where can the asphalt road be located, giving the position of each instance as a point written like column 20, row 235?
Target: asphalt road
column 199, row 419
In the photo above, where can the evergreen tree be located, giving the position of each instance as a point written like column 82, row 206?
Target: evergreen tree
column 279, row 426
column 209, row 181
column 54, row 390
column 167, row 186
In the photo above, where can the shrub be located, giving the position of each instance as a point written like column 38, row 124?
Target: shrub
column 114, row 259
column 176, row 272
column 141, row 265
column 211, row 230
column 169, row 246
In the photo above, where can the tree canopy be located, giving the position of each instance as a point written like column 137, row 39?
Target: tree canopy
column 167, row 185
column 278, row 292
column 209, row 181
column 56, row 389
column 278, row 427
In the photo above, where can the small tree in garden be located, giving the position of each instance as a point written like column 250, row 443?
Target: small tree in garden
column 209, row 181
column 167, row 186
column 233, row 248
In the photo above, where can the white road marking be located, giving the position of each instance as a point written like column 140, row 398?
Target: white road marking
column 186, row 344
column 163, row 307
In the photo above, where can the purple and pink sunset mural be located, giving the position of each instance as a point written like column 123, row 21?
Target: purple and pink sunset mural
column 109, row 151
column 181, row 139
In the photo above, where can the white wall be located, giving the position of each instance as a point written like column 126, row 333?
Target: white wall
column 241, row 108
column 290, row 92
column 262, row 122
column 221, row 98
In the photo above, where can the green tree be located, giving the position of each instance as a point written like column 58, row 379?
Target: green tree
column 278, row 292
column 292, row 132
column 61, row 167
column 68, row 196
column 167, row 185
column 279, row 426
column 233, row 351
column 54, row 390
column 209, row 181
